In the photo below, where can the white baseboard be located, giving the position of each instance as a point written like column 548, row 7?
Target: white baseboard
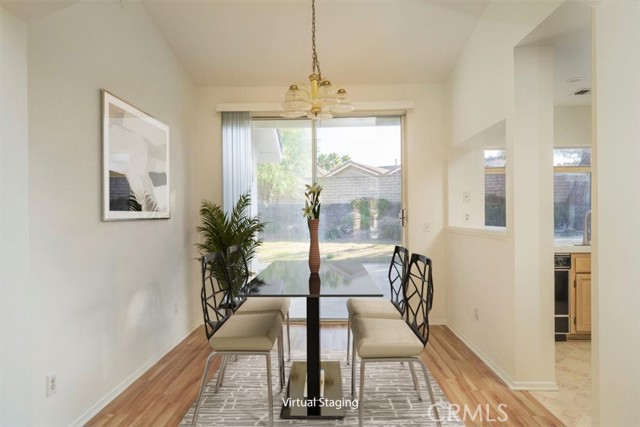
column 104, row 401
column 535, row 385
column 513, row 385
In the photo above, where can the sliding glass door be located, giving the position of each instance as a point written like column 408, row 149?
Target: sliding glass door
column 357, row 161
column 283, row 165
column 358, row 166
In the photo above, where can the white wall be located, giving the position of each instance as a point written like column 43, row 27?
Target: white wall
column 480, row 276
column 103, row 292
column 482, row 91
column 425, row 157
column 615, row 266
column 531, row 162
column 15, row 290
column 466, row 174
column 572, row 126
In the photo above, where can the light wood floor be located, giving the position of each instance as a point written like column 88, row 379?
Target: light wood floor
column 163, row 394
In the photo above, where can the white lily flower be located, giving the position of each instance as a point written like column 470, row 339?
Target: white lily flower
column 311, row 208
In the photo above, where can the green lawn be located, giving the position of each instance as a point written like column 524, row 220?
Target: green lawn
column 372, row 252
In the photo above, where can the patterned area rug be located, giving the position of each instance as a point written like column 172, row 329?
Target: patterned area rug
column 390, row 399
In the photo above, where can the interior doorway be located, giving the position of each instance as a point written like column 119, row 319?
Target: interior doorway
column 568, row 32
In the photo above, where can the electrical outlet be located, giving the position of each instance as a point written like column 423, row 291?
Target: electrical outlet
column 466, row 217
column 466, row 197
column 476, row 314
column 52, row 384
column 426, row 227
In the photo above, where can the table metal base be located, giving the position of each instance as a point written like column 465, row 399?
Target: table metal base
column 330, row 405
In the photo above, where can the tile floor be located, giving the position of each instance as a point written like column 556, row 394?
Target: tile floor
column 572, row 402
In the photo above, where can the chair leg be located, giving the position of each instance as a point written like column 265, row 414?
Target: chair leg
column 283, row 372
column 202, row 385
column 270, row 390
column 281, row 359
column 288, row 337
column 413, row 375
column 348, row 337
column 353, row 369
column 416, row 386
column 223, row 367
column 227, row 359
column 430, row 389
column 361, row 394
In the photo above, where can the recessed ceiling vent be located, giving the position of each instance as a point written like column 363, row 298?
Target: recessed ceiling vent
column 582, row 92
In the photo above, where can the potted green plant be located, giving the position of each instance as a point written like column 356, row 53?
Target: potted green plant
column 219, row 231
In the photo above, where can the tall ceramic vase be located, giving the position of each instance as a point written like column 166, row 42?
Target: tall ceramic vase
column 314, row 250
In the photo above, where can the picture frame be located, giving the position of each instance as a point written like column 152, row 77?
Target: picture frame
column 135, row 156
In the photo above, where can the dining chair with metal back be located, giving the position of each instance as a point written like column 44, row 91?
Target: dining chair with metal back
column 240, row 276
column 251, row 334
column 382, row 308
column 378, row 340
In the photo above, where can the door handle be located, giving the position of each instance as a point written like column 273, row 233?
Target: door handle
column 403, row 217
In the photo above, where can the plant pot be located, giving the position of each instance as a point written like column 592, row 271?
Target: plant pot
column 314, row 249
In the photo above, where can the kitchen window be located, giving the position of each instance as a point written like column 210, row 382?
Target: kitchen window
column 571, row 192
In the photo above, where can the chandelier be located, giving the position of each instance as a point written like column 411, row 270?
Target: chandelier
column 320, row 100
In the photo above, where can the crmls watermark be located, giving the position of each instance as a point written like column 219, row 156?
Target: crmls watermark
column 321, row 402
column 477, row 414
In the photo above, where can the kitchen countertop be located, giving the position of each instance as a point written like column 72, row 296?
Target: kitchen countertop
column 569, row 248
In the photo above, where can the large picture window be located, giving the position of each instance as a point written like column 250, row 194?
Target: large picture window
column 358, row 163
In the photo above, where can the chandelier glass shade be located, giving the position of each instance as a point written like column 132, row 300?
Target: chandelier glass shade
column 320, row 99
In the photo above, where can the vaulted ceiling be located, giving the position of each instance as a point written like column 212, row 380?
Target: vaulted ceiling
column 268, row 42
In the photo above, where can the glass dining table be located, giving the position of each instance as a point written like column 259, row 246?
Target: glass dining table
column 314, row 389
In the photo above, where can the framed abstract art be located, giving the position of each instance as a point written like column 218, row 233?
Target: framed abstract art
column 135, row 157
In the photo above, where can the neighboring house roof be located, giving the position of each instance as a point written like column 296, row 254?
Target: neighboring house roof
column 392, row 169
column 370, row 170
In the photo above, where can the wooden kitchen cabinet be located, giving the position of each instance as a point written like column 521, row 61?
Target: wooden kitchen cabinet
column 580, row 295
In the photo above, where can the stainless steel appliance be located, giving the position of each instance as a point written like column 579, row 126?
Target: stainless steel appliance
column 562, row 265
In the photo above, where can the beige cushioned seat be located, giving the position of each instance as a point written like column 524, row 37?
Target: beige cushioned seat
column 251, row 332
column 372, row 307
column 257, row 305
column 385, row 338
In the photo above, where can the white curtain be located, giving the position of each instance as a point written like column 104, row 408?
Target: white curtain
column 237, row 160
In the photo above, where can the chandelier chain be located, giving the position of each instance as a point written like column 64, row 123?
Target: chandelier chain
column 315, row 64
column 319, row 100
